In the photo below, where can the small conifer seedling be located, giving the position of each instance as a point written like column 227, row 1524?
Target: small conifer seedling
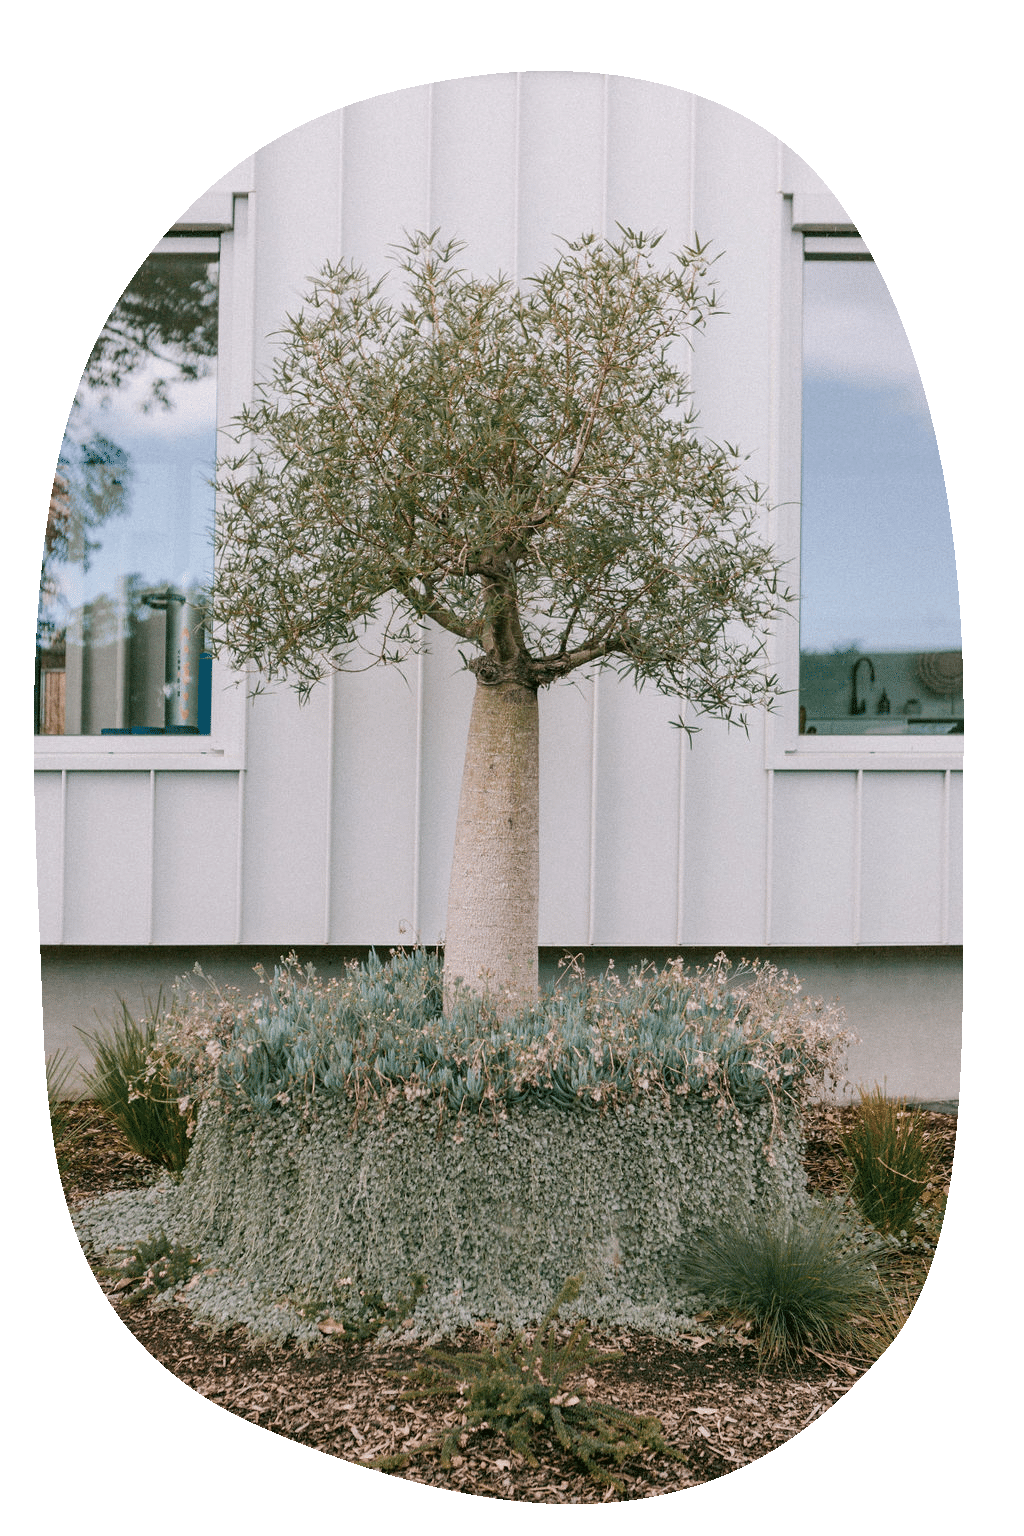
column 155, row 1264
column 529, row 1386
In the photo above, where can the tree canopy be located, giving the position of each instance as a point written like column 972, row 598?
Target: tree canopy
column 517, row 462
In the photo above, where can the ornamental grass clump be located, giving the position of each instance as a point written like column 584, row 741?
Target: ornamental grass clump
column 891, row 1161
column 66, row 1125
column 803, row 1280
column 140, row 1092
column 532, row 1386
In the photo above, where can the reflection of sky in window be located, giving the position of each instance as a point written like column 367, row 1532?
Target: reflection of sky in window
column 877, row 569
column 165, row 533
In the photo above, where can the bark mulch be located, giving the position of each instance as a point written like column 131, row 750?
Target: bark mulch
column 718, row 1406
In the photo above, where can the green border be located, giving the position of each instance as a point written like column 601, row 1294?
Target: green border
column 118, row 119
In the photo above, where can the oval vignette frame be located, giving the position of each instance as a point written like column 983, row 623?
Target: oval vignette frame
column 145, row 1378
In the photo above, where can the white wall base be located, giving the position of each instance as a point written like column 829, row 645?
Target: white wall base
column 904, row 1003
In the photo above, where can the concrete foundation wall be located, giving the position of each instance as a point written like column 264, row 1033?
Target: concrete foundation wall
column 905, row 1003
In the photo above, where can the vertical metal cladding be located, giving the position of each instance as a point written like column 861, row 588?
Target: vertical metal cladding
column 348, row 815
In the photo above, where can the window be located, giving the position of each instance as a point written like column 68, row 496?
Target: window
column 128, row 554
column 879, row 614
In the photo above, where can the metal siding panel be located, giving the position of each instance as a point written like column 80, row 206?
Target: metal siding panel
column 473, row 168
column 725, row 819
column 736, row 209
column 108, row 858
column 649, row 152
column 565, row 759
column 194, row 845
column 374, row 817
column 637, row 817
column 447, row 690
column 955, row 920
column 297, row 182
column 284, row 820
column 734, row 205
column 385, row 174
column 901, row 878
column 561, row 171
column 814, row 849
column 49, row 856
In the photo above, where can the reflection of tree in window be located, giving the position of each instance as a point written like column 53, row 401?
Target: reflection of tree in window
column 879, row 613
column 131, row 513
column 167, row 314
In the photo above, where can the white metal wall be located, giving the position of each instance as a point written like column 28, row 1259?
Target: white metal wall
column 338, row 828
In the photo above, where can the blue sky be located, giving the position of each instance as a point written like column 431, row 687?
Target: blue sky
column 165, row 535
column 877, row 566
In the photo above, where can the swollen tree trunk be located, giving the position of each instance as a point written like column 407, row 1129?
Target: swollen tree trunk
column 491, row 937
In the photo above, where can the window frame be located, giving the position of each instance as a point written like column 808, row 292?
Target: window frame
column 785, row 748
column 230, row 217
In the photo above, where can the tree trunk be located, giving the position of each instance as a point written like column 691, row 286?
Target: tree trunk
column 491, row 938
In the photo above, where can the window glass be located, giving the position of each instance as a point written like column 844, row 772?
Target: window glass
column 879, row 613
column 128, row 555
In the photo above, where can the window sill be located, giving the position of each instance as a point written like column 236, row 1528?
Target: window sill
column 119, row 753
column 908, row 753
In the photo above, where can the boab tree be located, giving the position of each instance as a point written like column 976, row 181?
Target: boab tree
column 517, row 464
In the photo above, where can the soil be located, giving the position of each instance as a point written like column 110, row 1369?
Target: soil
column 718, row 1405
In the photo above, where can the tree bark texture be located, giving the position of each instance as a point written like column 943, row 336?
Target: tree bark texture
column 491, row 938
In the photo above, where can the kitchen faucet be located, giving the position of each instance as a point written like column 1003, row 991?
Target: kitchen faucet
column 857, row 707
